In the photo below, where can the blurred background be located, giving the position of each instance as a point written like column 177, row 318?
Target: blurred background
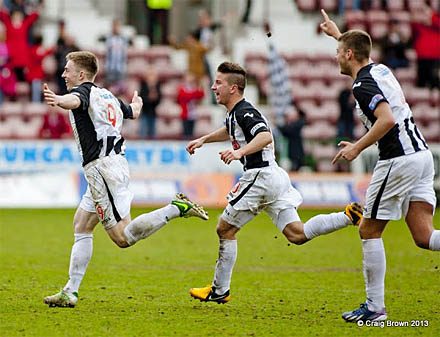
column 168, row 50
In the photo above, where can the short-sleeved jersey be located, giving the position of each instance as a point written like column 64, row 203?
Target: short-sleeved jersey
column 374, row 84
column 97, row 122
column 243, row 123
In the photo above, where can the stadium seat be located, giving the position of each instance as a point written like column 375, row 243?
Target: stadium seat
column 130, row 129
column 11, row 108
column 25, row 127
column 168, row 110
column 426, row 113
column 35, row 109
column 406, row 75
column 5, row 128
column 49, row 66
column 378, row 30
column 320, row 130
column 23, row 90
column 355, row 19
column 394, row 5
column 329, row 5
column 166, row 128
column 170, row 89
column 307, row 5
column 400, row 16
column 203, row 127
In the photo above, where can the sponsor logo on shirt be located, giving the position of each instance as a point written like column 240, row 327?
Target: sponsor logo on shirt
column 376, row 99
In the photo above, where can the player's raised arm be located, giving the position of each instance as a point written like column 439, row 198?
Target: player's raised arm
column 136, row 104
column 329, row 26
column 67, row 102
column 219, row 135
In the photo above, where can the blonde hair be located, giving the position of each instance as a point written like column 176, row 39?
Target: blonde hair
column 86, row 61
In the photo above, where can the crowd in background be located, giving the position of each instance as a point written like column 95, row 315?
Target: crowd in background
column 22, row 54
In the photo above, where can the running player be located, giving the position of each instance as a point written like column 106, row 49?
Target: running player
column 96, row 117
column 403, row 179
column 263, row 186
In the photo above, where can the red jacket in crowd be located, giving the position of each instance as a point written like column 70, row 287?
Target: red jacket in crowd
column 186, row 98
column 427, row 39
column 37, row 54
column 17, row 38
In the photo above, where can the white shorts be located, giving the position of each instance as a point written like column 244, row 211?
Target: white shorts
column 107, row 192
column 267, row 189
column 396, row 182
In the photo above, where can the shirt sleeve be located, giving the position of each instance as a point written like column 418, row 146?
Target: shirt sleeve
column 127, row 111
column 368, row 95
column 251, row 122
column 83, row 93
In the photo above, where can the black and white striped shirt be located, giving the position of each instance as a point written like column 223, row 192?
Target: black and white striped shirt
column 97, row 122
column 374, row 84
column 243, row 123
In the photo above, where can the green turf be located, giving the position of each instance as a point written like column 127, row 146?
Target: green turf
column 277, row 289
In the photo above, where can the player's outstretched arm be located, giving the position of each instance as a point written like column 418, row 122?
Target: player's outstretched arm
column 136, row 105
column 258, row 143
column 219, row 135
column 329, row 26
column 67, row 102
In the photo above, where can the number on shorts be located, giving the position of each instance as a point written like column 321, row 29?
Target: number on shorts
column 111, row 114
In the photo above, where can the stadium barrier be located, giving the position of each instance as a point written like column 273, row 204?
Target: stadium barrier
column 48, row 174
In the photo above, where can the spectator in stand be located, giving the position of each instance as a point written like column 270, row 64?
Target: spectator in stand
column 292, row 130
column 55, row 125
column 7, row 77
column 17, row 28
column 151, row 96
column 188, row 96
column 196, row 54
column 346, row 118
column 206, row 31
column 116, row 62
column 394, row 46
column 35, row 74
column 65, row 45
column 426, row 41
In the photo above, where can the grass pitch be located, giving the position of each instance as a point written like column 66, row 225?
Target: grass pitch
column 278, row 289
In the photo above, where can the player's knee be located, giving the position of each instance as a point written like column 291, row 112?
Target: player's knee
column 294, row 234
column 121, row 242
column 297, row 240
column 422, row 242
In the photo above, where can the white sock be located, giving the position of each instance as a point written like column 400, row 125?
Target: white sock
column 374, row 267
column 434, row 241
column 227, row 254
column 147, row 224
column 79, row 259
column 325, row 223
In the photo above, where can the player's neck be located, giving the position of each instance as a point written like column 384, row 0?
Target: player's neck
column 356, row 67
column 233, row 101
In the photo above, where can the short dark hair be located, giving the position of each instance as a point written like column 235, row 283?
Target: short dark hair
column 237, row 75
column 359, row 42
column 86, row 61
